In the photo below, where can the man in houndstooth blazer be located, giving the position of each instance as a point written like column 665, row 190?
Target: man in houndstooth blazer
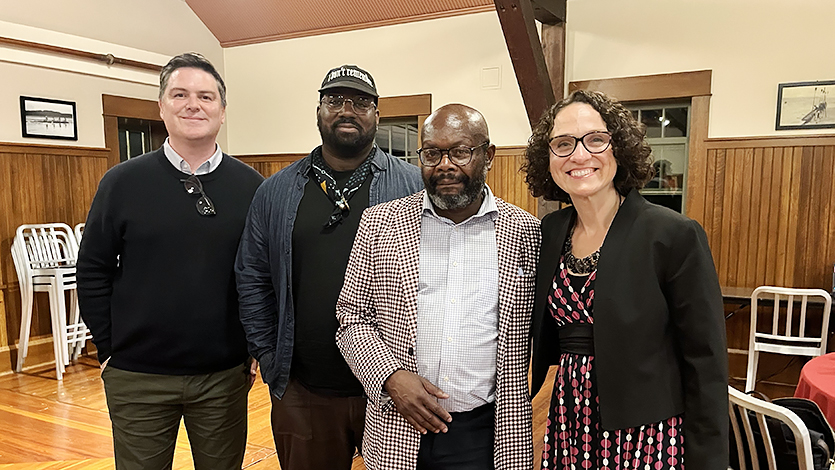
column 378, row 308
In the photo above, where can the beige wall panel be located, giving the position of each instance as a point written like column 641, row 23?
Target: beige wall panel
column 272, row 86
column 750, row 45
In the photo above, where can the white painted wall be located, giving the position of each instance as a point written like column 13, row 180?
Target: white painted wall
column 150, row 31
column 272, row 86
column 167, row 27
column 751, row 46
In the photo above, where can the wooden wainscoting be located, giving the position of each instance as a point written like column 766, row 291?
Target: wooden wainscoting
column 507, row 182
column 767, row 207
column 269, row 164
column 38, row 184
column 505, row 179
column 768, row 210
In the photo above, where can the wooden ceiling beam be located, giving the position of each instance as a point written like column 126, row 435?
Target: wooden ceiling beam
column 519, row 28
column 549, row 12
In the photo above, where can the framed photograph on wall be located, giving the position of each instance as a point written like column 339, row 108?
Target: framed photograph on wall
column 48, row 119
column 803, row 105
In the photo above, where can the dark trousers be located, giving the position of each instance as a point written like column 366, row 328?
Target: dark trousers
column 467, row 445
column 314, row 432
column 146, row 409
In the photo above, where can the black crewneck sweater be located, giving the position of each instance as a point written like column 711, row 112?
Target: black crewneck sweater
column 169, row 304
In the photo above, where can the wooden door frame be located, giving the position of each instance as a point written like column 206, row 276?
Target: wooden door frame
column 406, row 106
column 114, row 107
column 693, row 85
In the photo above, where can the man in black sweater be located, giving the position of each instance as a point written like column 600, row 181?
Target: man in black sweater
column 156, row 283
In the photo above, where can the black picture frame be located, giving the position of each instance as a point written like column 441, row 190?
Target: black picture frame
column 803, row 105
column 44, row 118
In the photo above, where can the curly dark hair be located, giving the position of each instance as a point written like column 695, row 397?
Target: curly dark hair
column 631, row 151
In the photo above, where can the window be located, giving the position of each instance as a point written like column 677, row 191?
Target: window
column 138, row 136
column 667, row 133
column 399, row 137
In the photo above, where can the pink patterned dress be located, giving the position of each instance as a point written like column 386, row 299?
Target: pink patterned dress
column 574, row 438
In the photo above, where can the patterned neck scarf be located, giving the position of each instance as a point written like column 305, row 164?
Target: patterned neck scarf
column 339, row 197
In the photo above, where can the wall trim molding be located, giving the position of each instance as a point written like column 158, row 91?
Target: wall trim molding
column 40, row 353
column 770, row 141
column 405, row 105
column 271, row 157
column 650, row 87
column 23, row 147
column 108, row 59
column 503, row 151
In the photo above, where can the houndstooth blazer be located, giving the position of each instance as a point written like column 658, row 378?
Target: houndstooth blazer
column 377, row 312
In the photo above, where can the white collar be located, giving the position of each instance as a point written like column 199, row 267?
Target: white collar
column 179, row 163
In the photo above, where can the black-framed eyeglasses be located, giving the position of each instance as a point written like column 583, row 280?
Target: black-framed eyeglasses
column 459, row 156
column 595, row 142
column 360, row 104
column 204, row 204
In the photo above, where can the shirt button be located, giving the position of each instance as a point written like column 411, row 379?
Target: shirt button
column 455, row 263
column 446, row 379
column 453, row 300
column 449, row 339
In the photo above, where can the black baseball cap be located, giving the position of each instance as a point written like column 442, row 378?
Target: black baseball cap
column 349, row 76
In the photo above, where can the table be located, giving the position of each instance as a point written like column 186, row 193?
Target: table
column 737, row 293
column 739, row 296
column 817, row 383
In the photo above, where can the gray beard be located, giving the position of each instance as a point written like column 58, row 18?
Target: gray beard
column 472, row 189
column 452, row 202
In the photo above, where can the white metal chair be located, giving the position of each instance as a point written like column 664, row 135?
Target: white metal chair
column 746, row 441
column 44, row 256
column 787, row 336
column 79, row 232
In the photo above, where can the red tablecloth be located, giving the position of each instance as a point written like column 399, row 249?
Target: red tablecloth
column 817, row 383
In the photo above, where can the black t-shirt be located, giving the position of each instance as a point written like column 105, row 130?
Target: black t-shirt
column 320, row 257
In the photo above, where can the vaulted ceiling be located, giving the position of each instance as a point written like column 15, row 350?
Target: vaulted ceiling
column 240, row 22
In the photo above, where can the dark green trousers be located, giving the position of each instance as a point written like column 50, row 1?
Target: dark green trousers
column 146, row 409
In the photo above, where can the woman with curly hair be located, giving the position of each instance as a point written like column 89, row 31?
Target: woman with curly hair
column 628, row 304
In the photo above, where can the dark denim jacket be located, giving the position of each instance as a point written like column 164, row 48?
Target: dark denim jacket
column 263, row 268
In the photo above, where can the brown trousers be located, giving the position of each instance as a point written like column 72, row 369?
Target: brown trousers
column 314, row 432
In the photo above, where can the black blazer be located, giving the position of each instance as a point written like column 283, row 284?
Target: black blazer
column 659, row 329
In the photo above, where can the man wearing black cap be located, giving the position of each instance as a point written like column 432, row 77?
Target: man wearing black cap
column 290, row 268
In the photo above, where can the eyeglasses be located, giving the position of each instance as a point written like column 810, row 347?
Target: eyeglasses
column 360, row 104
column 595, row 142
column 459, row 156
column 204, row 204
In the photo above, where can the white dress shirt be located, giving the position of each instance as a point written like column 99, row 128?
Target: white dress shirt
column 179, row 163
column 458, row 305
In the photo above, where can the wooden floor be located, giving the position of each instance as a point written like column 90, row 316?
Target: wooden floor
column 51, row 425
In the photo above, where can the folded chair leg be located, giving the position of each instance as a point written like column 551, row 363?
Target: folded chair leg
column 54, row 294
column 76, row 336
column 26, row 301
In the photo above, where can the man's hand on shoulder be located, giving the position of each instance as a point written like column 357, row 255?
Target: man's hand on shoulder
column 416, row 400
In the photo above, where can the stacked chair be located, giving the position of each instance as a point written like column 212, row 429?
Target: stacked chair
column 44, row 256
column 787, row 332
column 751, row 433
